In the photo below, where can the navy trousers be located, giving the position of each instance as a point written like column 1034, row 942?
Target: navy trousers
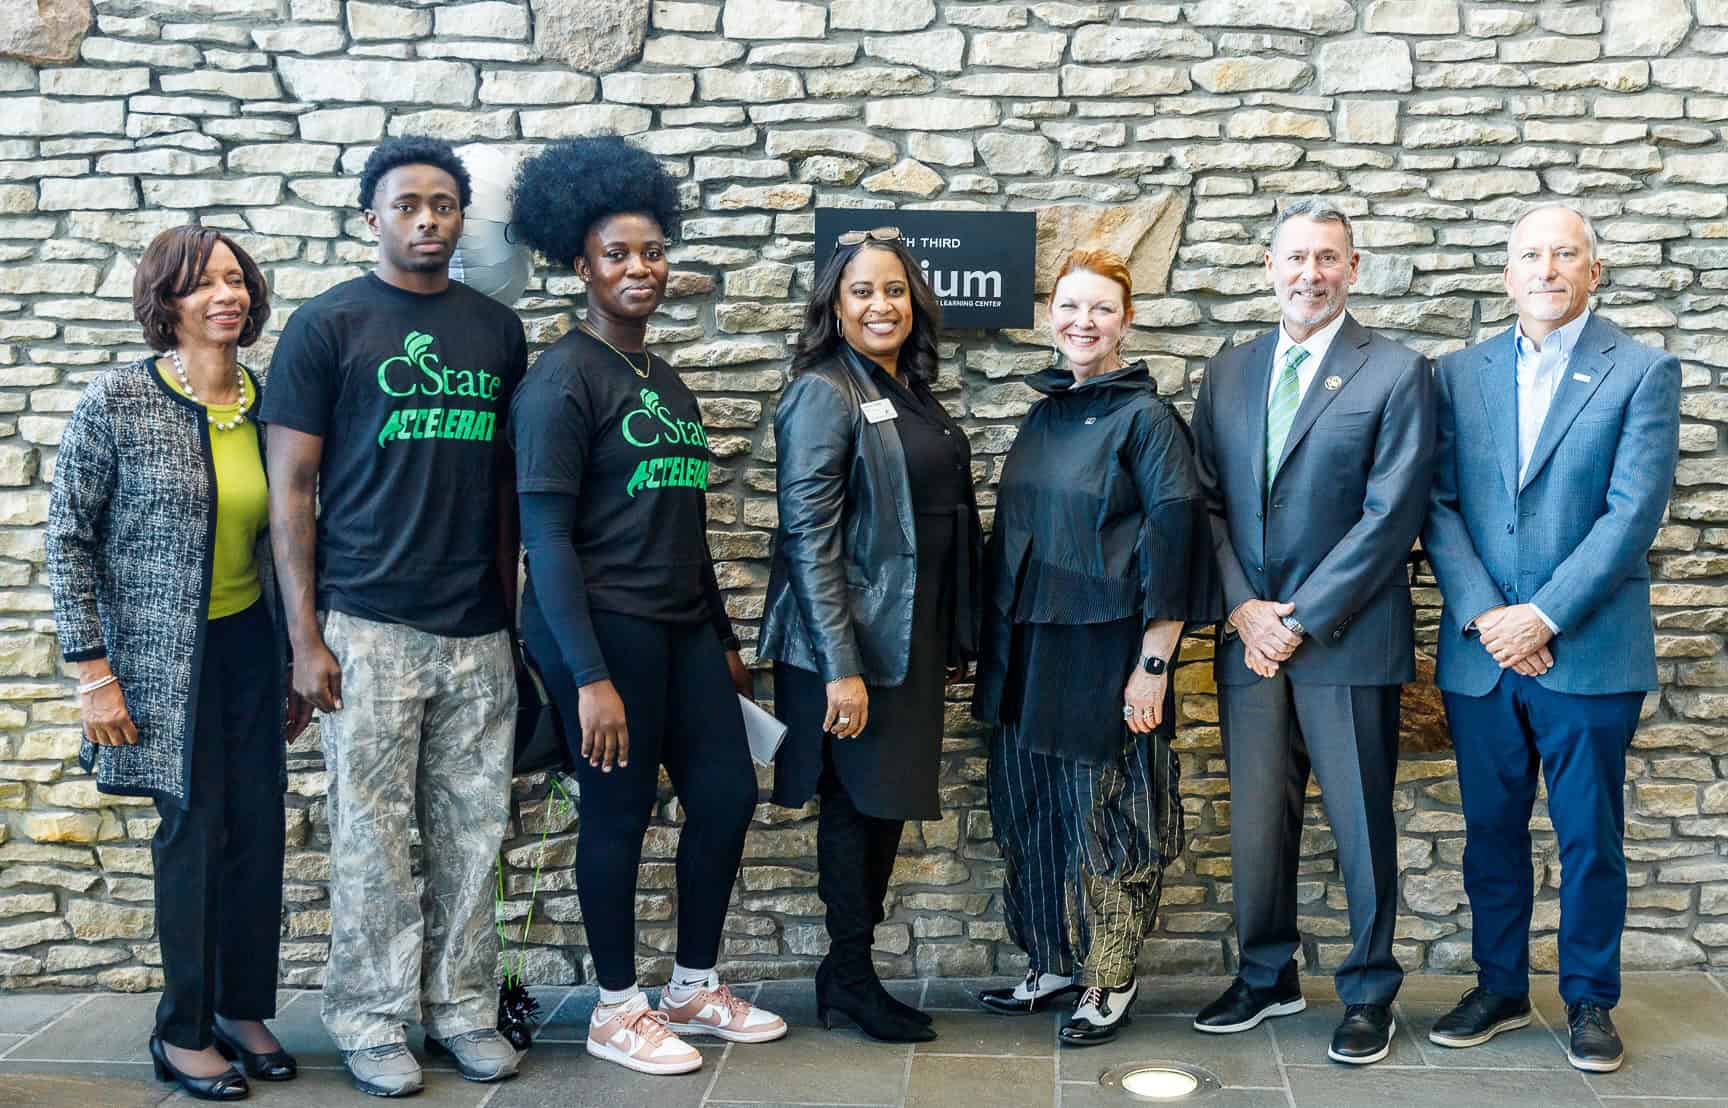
column 1579, row 745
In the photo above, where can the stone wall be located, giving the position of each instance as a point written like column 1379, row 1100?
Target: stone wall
column 1168, row 130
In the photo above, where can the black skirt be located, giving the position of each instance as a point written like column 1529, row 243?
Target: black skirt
column 890, row 770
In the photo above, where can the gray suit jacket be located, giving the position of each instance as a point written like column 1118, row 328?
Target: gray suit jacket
column 1334, row 531
column 1573, row 536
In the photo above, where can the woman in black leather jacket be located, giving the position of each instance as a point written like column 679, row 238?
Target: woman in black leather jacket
column 871, row 597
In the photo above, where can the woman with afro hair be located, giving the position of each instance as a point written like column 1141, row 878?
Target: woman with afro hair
column 622, row 614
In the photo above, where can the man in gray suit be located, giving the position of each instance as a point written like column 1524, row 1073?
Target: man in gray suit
column 1558, row 440
column 1316, row 444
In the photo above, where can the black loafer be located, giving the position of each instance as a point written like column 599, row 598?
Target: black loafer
column 1013, row 1002
column 1100, row 1014
column 277, row 1065
column 1595, row 1045
column 1364, row 1035
column 1479, row 1016
column 1243, row 1007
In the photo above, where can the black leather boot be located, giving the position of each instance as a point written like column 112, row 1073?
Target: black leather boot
column 849, row 996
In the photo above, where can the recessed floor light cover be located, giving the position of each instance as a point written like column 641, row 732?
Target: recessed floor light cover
column 1161, row 1082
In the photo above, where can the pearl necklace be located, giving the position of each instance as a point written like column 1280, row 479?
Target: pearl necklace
column 186, row 385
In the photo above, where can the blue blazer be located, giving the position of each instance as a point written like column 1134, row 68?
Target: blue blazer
column 1572, row 538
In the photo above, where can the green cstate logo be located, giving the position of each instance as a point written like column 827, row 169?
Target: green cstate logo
column 417, row 371
column 649, row 426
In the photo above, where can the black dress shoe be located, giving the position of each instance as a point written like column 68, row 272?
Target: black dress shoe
column 1364, row 1035
column 230, row 1084
column 1242, row 1006
column 1479, row 1016
column 1024, row 998
column 839, row 1001
column 1595, row 1045
column 277, row 1065
column 1100, row 1014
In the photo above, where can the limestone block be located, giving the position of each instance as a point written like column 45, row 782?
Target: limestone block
column 1125, row 44
column 867, row 81
column 674, row 15
column 1253, row 124
column 240, row 86
column 1644, row 28
column 881, row 15
column 936, row 51
column 1364, row 65
column 931, row 113
column 36, row 116
column 648, row 88
column 1244, row 74
column 1017, row 49
column 122, row 52
column 1648, row 950
column 1142, row 80
column 211, row 193
column 371, row 22
column 95, row 82
column 906, row 176
column 682, row 50
column 751, row 86
column 19, row 935
column 826, row 169
column 1145, row 232
column 780, row 197
column 592, row 36
column 584, row 119
column 1411, row 17
column 941, row 149
column 1694, row 74
column 754, row 19
column 487, row 19
column 1310, row 16
column 44, row 32
column 61, row 194
column 343, row 125
column 1613, row 76
column 804, row 54
column 299, row 40
column 691, row 140
column 798, row 143
column 378, row 81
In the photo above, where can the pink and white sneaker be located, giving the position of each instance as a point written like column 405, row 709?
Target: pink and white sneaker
column 637, row 1038
column 715, row 1011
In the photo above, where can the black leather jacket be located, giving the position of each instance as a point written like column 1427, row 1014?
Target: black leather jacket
column 844, row 568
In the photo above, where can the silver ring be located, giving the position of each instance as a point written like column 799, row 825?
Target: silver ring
column 844, row 721
column 1127, row 712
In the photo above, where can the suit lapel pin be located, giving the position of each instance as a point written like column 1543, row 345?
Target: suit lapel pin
column 1334, row 383
column 1091, row 419
column 1584, row 377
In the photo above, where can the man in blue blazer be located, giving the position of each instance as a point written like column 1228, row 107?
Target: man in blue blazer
column 1316, row 447
column 1557, row 448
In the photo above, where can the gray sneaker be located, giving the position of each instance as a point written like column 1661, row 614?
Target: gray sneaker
column 388, row 1069
column 481, row 1055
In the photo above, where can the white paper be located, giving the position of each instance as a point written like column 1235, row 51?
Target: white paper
column 764, row 732
column 875, row 411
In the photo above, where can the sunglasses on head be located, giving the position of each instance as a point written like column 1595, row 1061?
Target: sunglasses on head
column 875, row 234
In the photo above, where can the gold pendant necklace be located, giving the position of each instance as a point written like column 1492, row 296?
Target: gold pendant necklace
column 647, row 359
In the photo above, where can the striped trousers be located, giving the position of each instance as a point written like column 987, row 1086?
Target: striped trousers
column 1086, row 847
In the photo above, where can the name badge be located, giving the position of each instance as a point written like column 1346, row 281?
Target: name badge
column 877, row 411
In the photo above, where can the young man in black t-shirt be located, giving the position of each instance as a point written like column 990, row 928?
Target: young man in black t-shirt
column 386, row 405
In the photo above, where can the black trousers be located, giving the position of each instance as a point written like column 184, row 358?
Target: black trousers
column 1275, row 733
column 219, row 859
column 682, row 713
column 854, row 861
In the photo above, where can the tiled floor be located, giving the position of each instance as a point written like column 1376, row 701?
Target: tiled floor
column 84, row 1051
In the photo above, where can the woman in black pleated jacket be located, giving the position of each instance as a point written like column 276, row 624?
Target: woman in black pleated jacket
column 1099, row 556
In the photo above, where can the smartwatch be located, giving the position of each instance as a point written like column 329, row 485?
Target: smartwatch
column 1153, row 664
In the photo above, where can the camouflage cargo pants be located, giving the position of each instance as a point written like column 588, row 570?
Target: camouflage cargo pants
column 424, row 735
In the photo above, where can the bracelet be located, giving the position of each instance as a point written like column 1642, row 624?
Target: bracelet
column 99, row 683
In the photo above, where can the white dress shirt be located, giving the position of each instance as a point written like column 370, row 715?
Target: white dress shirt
column 1317, row 344
column 1540, row 372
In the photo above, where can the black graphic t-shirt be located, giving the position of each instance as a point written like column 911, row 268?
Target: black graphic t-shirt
column 411, row 395
column 632, row 453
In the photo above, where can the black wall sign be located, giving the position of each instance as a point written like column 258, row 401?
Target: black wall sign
column 978, row 263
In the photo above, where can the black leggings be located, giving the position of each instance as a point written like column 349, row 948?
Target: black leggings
column 682, row 712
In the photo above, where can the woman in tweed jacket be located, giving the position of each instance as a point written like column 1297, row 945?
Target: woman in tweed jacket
column 159, row 563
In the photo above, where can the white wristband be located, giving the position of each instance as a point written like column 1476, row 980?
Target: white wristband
column 99, row 683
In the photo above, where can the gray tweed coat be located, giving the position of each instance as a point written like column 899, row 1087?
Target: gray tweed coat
column 131, row 539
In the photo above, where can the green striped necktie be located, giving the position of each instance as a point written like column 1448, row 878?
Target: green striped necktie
column 1281, row 411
